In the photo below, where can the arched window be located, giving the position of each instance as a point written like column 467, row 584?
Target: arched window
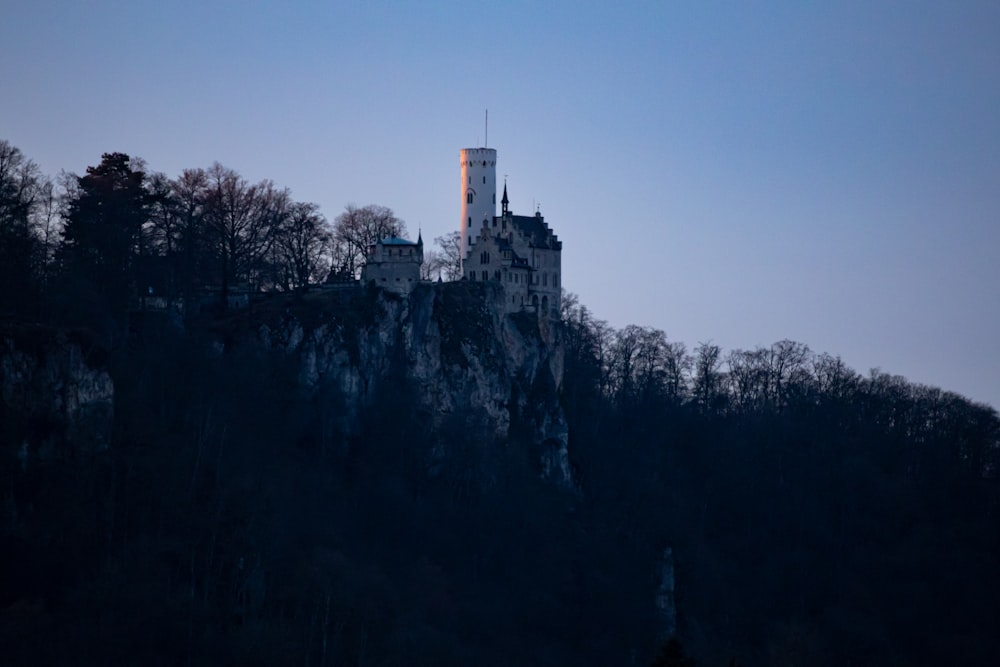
column 468, row 197
column 545, row 305
column 534, row 300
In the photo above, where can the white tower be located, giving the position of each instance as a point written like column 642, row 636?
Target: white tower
column 479, row 192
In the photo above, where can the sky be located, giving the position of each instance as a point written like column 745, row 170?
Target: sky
column 729, row 172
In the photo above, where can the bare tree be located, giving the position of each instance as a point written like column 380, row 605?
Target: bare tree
column 20, row 181
column 834, row 379
column 446, row 261
column 788, row 371
column 358, row 228
column 303, row 246
column 708, row 386
column 749, row 378
column 23, row 191
column 243, row 220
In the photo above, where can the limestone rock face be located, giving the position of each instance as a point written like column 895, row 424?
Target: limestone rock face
column 454, row 349
column 666, row 608
column 56, row 396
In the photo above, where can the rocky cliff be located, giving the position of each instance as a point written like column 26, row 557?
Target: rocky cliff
column 56, row 396
column 448, row 343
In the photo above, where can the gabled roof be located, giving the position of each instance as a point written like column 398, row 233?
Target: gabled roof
column 538, row 233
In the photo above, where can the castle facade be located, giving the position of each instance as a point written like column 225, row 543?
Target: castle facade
column 519, row 251
column 394, row 264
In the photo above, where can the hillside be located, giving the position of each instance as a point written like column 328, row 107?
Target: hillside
column 349, row 477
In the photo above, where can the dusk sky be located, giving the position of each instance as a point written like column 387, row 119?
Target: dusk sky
column 736, row 172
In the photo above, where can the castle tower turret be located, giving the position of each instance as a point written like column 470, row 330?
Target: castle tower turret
column 479, row 192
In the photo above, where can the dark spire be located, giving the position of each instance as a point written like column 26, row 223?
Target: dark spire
column 504, row 201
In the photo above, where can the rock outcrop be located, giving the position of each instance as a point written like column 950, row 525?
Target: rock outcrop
column 56, row 396
column 454, row 348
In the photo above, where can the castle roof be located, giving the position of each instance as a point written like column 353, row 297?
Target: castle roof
column 538, row 233
column 395, row 240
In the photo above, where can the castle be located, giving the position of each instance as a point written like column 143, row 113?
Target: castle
column 519, row 251
column 394, row 264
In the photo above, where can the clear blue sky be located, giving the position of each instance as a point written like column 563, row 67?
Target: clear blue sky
column 739, row 172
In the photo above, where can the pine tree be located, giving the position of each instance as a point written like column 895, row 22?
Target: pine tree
column 103, row 225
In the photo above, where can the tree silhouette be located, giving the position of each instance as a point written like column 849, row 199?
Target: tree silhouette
column 23, row 195
column 103, row 225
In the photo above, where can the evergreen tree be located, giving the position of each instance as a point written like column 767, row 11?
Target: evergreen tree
column 103, row 224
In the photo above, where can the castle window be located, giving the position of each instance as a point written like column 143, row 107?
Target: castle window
column 468, row 198
column 545, row 279
column 472, row 275
column 470, row 180
column 484, row 180
column 470, row 221
column 486, row 275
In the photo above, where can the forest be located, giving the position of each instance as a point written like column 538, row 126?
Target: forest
column 816, row 515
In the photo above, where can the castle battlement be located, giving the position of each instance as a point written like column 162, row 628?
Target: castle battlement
column 478, row 157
